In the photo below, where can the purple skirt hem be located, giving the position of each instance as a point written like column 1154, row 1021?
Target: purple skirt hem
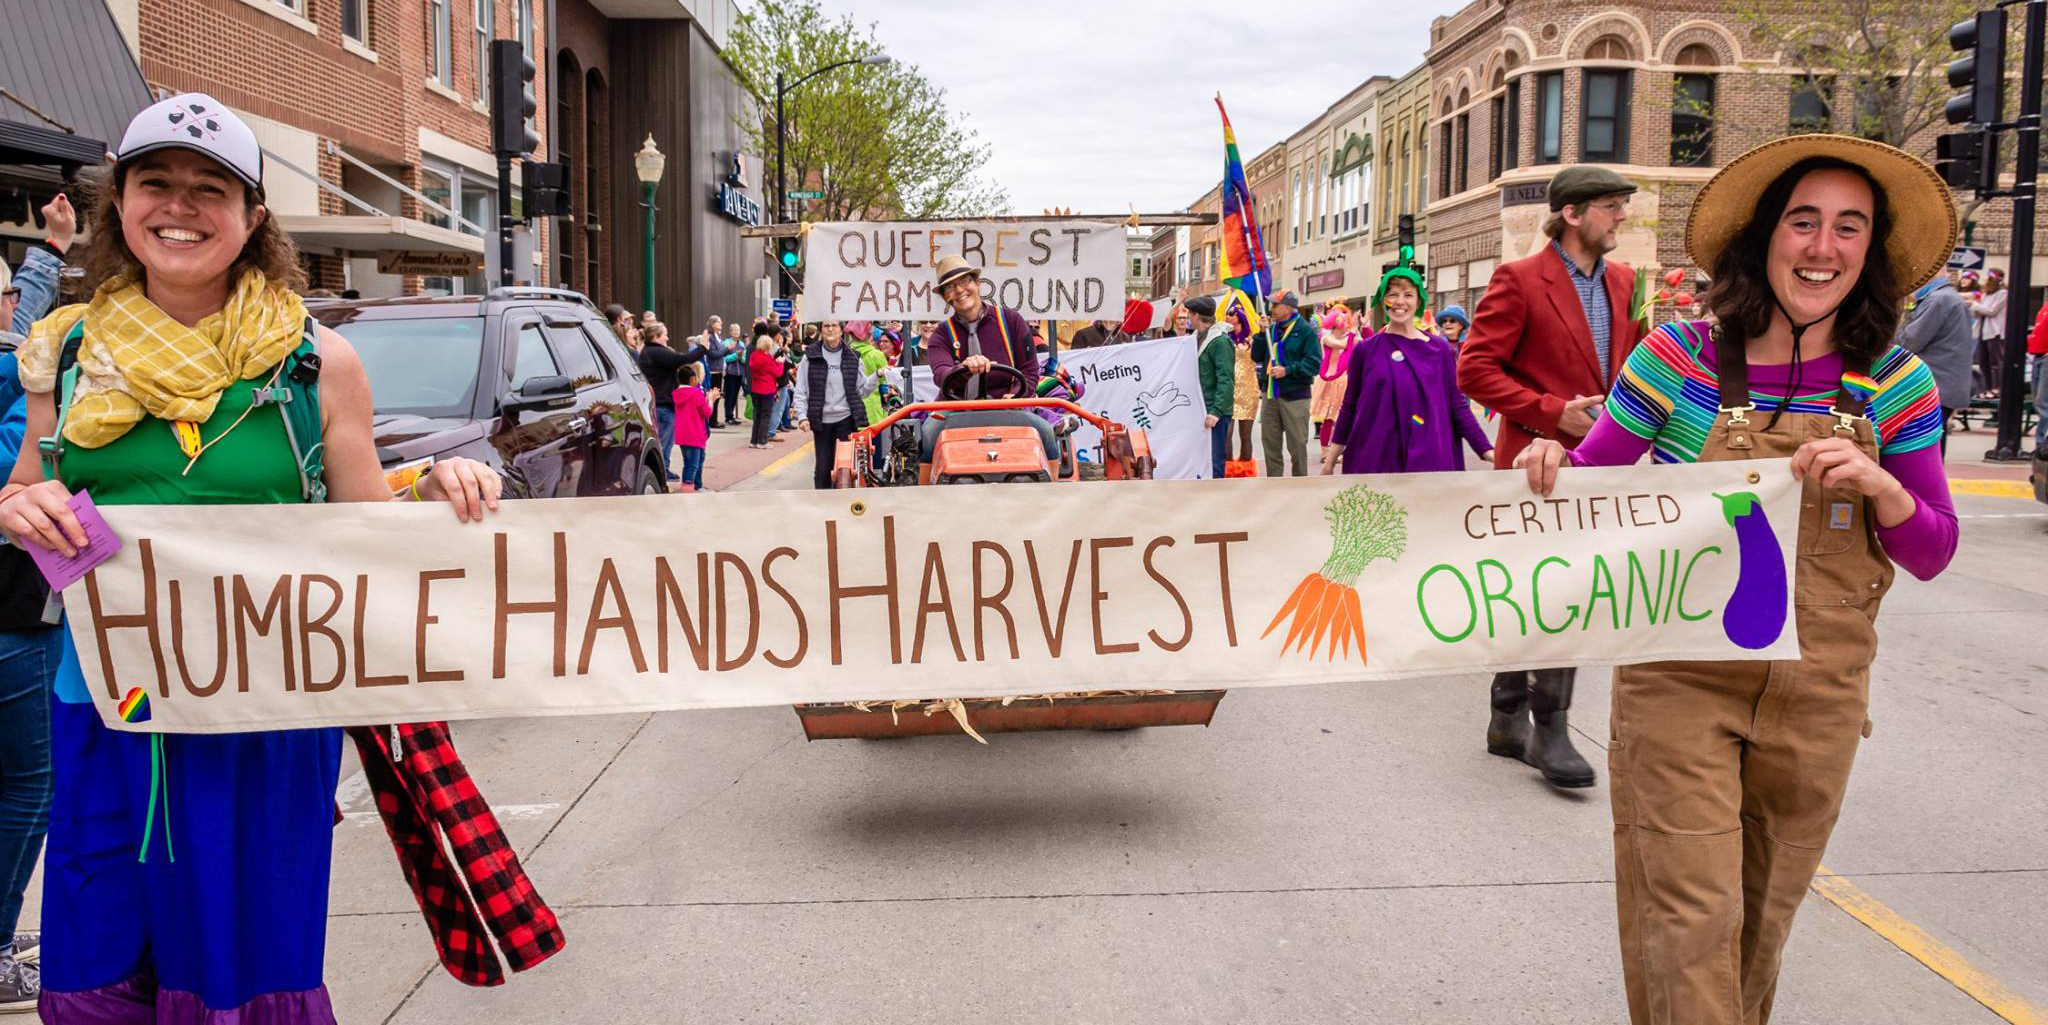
column 140, row 1001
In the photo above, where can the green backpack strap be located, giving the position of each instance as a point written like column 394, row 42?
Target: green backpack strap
column 52, row 447
column 294, row 389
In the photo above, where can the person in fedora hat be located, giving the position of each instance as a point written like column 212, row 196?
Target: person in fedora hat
column 1728, row 776
column 978, row 333
column 1545, row 343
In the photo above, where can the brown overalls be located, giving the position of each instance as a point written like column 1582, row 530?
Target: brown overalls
column 1727, row 777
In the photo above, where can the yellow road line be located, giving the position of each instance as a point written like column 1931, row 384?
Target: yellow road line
column 1936, row 955
column 785, row 462
column 1993, row 488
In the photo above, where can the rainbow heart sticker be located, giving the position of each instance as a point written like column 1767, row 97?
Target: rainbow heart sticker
column 134, row 707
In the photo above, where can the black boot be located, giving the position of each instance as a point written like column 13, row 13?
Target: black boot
column 1550, row 748
column 1507, row 732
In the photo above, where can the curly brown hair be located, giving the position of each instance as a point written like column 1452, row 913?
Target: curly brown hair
column 1740, row 296
column 107, row 255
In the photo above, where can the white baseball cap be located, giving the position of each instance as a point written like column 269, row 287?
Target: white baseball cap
column 200, row 123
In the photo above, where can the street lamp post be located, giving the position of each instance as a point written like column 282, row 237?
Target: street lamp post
column 648, row 165
column 781, row 171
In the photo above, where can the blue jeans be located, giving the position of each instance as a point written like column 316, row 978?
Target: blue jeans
column 28, row 660
column 1219, row 445
column 665, row 422
column 693, row 466
column 2040, row 401
column 780, row 419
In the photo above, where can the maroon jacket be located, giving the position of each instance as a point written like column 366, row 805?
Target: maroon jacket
column 988, row 341
column 1530, row 351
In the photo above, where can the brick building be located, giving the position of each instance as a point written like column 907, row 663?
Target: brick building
column 373, row 117
column 1164, row 251
column 1327, row 221
column 1664, row 94
column 1266, row 176
column 1402, row 113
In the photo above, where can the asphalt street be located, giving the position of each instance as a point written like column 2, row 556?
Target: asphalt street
column 1342, row 853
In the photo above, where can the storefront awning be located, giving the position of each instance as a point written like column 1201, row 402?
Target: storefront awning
column 376, row 235
column 68, row 83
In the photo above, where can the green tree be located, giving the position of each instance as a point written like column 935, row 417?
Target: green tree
column 1876, row 67
column 878, row 141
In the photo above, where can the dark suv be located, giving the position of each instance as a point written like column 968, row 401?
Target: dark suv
column 529, row 380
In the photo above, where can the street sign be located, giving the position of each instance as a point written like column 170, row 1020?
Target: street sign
column 785, row 308
column 1966, row 258
column 805, row 194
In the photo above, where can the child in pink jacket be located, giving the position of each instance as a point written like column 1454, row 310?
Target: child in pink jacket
column 693, row 423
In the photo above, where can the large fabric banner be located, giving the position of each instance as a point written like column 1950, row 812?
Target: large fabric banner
column 219, row 618
column 1153, row 385
column 882, row 270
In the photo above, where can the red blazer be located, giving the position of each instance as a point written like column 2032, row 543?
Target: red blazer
column 1530, row 351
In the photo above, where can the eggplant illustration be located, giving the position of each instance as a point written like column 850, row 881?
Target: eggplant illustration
column 1755, row 613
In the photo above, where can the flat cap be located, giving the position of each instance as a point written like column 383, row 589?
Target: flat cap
column 1202, row 306
column 1582, row 182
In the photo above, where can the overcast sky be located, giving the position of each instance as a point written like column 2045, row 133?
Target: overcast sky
column 1101, row 105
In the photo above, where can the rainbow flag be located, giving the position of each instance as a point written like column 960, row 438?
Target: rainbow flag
column 1243, row 260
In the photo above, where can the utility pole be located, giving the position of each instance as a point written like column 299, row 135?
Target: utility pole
column 781, row 186
column 2012, row 386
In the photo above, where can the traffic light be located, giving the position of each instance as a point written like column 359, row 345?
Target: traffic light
column 789, row 253
column 512, row 101
column 1981, row 72
column 544, row 191
column 1958, row 158
column 1405, row 229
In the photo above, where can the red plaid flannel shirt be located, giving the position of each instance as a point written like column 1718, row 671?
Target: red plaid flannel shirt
column 423, row 793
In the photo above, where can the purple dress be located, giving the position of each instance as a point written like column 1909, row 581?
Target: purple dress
column 1403, row 412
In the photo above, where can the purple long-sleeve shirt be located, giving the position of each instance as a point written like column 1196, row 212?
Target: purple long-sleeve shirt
column 987, row 341
column 1402, row 411
column 1922, row 544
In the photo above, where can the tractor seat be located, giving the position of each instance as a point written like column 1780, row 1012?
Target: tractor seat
column 928, row 440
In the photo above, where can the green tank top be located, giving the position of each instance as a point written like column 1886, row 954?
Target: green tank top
column 246, row 463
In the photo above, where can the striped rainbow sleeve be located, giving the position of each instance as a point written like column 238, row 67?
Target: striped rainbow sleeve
column 1906, row 409
column 1650, row 383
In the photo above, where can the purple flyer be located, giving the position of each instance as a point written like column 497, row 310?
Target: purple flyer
column 100, row 545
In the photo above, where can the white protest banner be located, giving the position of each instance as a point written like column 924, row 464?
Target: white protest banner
column 1154, row 385
column 223, row 618
column 881, row 270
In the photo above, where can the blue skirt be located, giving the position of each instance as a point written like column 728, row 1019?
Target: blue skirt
column 226, row 908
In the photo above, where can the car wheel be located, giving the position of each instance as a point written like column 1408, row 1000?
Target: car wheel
column 651, row 482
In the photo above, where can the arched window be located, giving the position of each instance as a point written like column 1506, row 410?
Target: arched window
column 1604, row 95
column 1404, row 197
column 597, row 148
column 568, row 125
column 1609, row 48
column 1696, row 55
column 1461, row 162
column 1446, row 151
column 1692, row 107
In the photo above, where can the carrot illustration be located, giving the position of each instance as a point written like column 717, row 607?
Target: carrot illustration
column 1365, row 525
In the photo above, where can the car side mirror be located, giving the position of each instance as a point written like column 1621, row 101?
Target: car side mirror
column 538, row 393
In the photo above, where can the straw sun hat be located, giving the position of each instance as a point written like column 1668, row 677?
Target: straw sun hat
column 1922, row 211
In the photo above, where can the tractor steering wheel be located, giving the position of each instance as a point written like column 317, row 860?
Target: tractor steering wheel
column 962, row 384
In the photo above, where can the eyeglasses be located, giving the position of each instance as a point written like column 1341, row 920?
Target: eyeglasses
column 11, row 294
column 1612, row 206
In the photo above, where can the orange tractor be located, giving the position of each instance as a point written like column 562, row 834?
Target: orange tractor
column 989, row 429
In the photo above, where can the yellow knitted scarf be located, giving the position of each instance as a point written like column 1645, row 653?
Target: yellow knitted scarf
column 137, row 361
